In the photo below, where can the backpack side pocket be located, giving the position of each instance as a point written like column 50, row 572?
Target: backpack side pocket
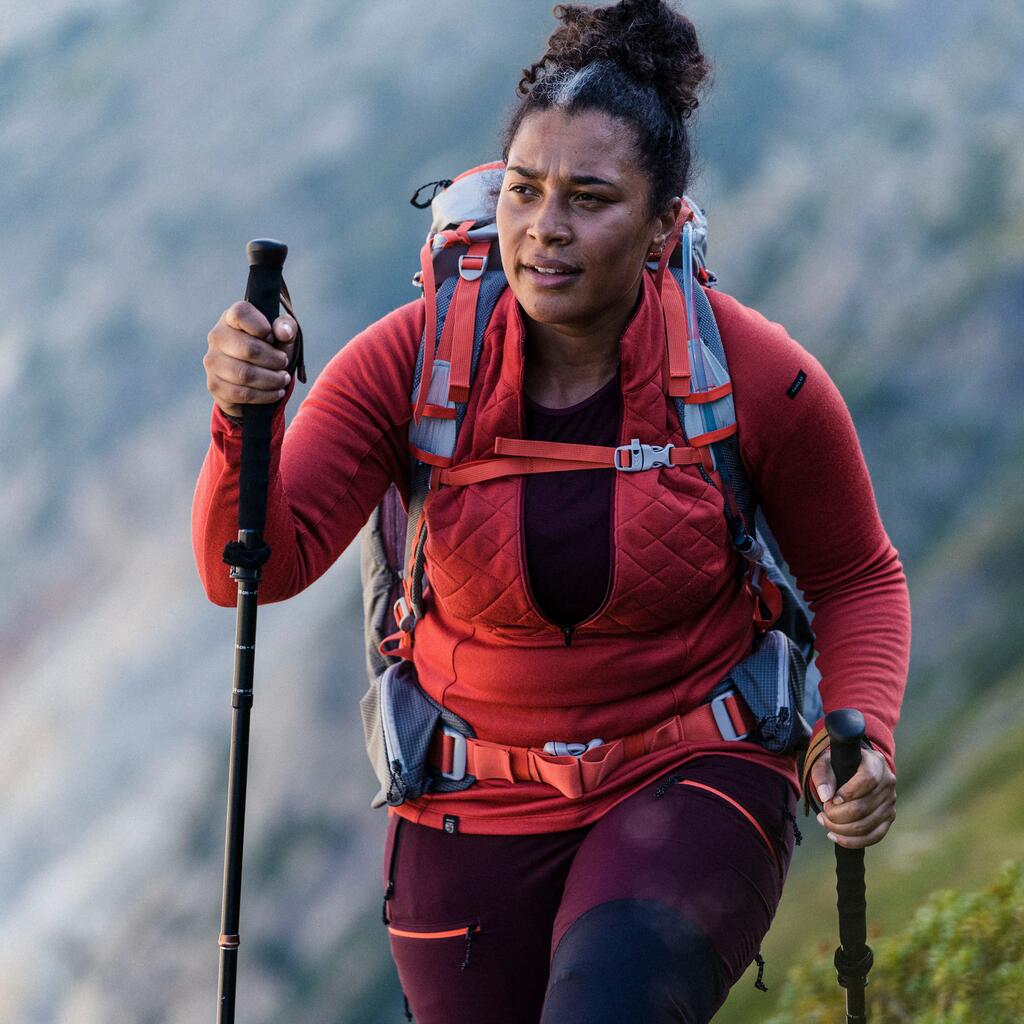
column 399, row 723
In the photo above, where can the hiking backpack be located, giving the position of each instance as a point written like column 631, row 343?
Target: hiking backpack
column 462, row 279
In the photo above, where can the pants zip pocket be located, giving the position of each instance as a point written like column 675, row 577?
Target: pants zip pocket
column 466, row 933
column 746, row 814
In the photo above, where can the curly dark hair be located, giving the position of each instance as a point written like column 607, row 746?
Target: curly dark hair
column 638, row 61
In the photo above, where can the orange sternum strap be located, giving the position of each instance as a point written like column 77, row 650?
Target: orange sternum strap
column 514, row 456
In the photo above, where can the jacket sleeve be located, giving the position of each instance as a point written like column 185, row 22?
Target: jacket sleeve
column 346, row 444
column 800, row 448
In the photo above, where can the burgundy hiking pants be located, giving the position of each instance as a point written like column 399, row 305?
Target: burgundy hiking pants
column 650, row 914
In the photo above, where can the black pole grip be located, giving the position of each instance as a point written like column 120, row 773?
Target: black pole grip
column 845, row 730
column 263, row 289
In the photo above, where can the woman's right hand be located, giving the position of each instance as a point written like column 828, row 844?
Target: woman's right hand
column 246, row 364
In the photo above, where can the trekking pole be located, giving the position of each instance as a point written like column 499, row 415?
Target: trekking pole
column 246, row 556
column 853, row 957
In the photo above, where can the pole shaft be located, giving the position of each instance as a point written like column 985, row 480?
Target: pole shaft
column 238, row 771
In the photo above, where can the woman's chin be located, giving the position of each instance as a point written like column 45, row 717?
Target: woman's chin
column 550, row 308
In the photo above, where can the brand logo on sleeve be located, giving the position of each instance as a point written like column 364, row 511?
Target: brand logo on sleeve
column 794, row 388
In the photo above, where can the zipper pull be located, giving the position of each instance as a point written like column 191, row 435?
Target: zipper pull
column 567, row 634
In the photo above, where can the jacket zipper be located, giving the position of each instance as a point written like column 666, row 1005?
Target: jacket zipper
column 567, row 631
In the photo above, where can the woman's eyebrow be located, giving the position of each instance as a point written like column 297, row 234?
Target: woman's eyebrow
column 576, row 179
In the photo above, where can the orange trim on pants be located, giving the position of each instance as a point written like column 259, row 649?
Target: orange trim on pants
column 739, row 807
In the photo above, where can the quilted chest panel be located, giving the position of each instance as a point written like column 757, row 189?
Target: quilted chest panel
column 671, row 549
column 672, row 555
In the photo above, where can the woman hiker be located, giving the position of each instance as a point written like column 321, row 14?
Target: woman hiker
column 645, row 897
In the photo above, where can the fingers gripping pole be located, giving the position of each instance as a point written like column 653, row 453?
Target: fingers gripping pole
column 853, row 958
column 246, row 556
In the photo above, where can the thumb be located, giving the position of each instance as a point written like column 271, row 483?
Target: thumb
column 823, row 777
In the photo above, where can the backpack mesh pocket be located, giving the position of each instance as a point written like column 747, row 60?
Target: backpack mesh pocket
column 399, row 722
column 771, row 681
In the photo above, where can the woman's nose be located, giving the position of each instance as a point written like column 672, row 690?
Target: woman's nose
column 549, row 225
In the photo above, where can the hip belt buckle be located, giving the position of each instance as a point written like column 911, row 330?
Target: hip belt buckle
column 458, row 769
column 560, row 749
column 723, row 719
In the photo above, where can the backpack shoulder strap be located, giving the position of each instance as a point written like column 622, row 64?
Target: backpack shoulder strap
column 707, row 411
column 747, row 528
column 432, row 439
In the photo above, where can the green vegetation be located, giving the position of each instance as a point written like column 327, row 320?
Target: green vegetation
column 961, row 821
column 960, row 960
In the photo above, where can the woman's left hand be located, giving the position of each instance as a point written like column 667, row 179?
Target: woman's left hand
column 863, row 810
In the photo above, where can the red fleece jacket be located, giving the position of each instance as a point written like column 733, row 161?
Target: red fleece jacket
column 348, row 442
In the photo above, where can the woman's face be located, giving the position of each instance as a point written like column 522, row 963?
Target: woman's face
column 574, row 224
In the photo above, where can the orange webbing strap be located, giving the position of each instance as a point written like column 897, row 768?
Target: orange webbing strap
column 440, row 412
column 460, row 236
column 441, row 461
column 676, row 337
column 601, row 455
column 460, row 325
column 575, row 776
column 518, row 457
column 412, row 580
column 482, row 470
column 767, row 600
column 429, row 328
column 397, row 645
column 701, row 440
column 671, row 242
column 711, row 395
column 674, row 310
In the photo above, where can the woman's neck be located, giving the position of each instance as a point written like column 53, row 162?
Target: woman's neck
column 561, row 371
column 563, row 368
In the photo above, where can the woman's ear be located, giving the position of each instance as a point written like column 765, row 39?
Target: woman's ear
column 666, row 222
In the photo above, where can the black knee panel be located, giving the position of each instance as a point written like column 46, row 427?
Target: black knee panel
column 632, row 960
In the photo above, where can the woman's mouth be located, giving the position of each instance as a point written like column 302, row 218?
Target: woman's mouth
column 550, row 273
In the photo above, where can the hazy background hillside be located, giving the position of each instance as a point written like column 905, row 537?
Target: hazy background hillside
column 862, row 164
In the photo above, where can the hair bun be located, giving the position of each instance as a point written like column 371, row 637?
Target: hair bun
column 649, row 40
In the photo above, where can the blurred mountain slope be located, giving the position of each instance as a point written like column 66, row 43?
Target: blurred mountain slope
column 862, row 169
